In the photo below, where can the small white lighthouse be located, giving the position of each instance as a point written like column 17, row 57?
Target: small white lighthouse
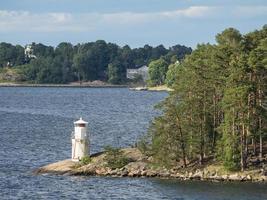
column 80, row 141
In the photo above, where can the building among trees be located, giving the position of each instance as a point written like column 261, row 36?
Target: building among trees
column 142, row 71
column 28, row 51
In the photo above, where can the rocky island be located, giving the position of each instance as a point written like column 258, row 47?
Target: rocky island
column 139, row 165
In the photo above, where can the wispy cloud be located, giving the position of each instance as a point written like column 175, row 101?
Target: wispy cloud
column 131, row 17
column 192, row 12
column 50, row 22
column 46, row 22
column 78, row 22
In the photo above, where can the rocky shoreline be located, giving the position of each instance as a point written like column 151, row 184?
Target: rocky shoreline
column 94, row 84
column 160, row 88
column 140, row 166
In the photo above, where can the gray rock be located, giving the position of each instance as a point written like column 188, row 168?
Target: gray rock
column 264, row 172
column 174, row 176
column 133, row 166
column 213, row 173
column 249, row 178
column 217, row 178
column 190, row 175
column 198, row 175
column 173, row 171
column 263, row 178
column 225, row 177
column 164, row 174
column 134, row 173
column 143, row 173
column 114, row 172
column 234, row 177
column 151, row 173
column 243, row 177
column 124, row 173
column 101, row 171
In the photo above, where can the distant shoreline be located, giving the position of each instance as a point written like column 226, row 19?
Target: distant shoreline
column 62, row 85
column 87, row 85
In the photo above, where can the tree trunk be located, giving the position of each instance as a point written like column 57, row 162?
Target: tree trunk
column 201, row 155
column 246, row 145
column 260, row 124
column 242, row 153
column 214, row 123
column 79, row 78
column 248, row 120
column 261, row 98
column 191, row 135
column 182, row 141
column 254, row 146
column 233, row 123
column 183, row 147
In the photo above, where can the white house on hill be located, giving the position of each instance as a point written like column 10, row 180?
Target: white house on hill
column 143, row 71
column 28, row 51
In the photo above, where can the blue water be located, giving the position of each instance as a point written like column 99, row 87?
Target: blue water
column 35, row 129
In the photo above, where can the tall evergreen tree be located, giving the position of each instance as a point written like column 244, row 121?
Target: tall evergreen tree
column 218, row 106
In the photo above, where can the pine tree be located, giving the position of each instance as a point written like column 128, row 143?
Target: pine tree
column 218, row 106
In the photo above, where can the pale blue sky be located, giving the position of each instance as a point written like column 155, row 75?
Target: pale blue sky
column 133, row 22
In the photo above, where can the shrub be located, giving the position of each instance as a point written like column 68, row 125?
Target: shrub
column 86, row 160
column 115, row 158
column 144, row 145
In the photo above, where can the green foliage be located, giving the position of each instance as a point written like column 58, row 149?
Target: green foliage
column 82, row 62
column 11, row 55
column 218, row 105
column 11, row 75
column 85, row 160
column 231, row 153
column 138, row 79
column 83, row 65
column 115, row 158
column 116, row 73
column 173, row 70
column 144, row 144
column 41, row 50
column 230, row 37
column 157, row 72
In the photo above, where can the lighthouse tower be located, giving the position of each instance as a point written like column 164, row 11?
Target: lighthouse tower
column 80, row 141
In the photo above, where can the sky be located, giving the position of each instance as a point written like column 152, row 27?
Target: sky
column 132, row 22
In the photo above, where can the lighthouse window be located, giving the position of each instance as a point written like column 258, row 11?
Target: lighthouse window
column 81, row 125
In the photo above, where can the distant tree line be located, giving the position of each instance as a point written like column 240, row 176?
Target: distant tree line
column 162, row 71
column 218, row 106
column 82, row 62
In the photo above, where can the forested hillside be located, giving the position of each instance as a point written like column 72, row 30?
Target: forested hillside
column 82, row 62
column 218, row 107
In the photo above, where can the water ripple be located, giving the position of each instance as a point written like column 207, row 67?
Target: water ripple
column 35, row 129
